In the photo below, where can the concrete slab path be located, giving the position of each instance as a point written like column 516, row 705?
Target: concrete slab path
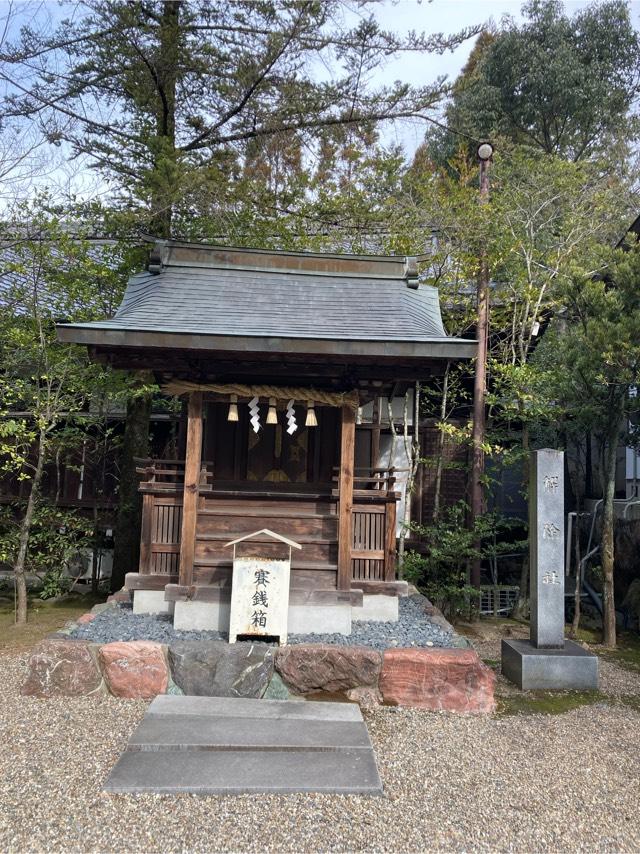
column 222, row 746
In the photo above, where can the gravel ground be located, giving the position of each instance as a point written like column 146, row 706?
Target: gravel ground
column 414, row 628
column 522, row 783
column 614, row 680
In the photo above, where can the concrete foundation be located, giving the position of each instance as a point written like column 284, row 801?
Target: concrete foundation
column 302, row 619
column 202, row 616
column 151, row 602
column 320, row 619
column 377, row 609
column 571, row 668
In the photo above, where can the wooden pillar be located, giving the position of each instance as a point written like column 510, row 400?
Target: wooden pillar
column 193, row 460
column 345, row 491
column 390, row 540
column 145, row 534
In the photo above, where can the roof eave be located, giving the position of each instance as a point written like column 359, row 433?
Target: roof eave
column 437, row 348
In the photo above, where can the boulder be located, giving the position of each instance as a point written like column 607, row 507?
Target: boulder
column 104, row 606
column 220, row 669
column 60, row 667
column 368, row 697
column 453, row 680
column 276, row 689
column 134, row 669
column 122, row 596
column 86, row 618
column 307, row 668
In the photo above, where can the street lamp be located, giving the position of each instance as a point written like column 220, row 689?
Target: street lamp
column 485, row 151
column 477, row 502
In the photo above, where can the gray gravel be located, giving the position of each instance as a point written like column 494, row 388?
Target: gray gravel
column 121, row 624
column 414, row 628
column 514, row 784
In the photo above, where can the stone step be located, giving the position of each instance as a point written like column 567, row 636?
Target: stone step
column 198, row 732
column 236, row 772
column 224, row 746
column 170, row 704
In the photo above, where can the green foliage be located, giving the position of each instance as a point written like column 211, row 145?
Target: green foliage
column 564, row 85
column 56, row 536
column 55, row 582
column 450, row 546
column 592, row 354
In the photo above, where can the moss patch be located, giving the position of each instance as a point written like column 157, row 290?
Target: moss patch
column 632, row 701
column 42, row 618
column 627, row 654
column 547, row 702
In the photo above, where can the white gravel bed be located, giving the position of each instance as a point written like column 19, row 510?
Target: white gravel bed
column 523, row 783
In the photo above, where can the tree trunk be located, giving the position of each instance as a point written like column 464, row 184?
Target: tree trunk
column 164, row 178
column 575, row 625
column 25, row 532
column 163, row 183
column 521, row 609
column 608, row 601
column 126, row 552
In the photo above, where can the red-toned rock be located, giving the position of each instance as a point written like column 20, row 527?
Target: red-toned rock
column 307, row 668
column 62, row 668
column 453, row 680
column 135, row 670
column 123, row 595
column 86, row 618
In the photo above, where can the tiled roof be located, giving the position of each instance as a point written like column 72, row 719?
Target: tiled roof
column 247, row 293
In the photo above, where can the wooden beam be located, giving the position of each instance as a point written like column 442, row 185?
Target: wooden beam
column 383, row 588
column 136, row 581
column 345, row 491
column 191, row 484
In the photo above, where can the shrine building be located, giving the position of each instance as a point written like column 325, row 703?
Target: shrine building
column 284, row 362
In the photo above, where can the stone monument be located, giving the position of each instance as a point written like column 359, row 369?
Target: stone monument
column 260, row 591
column 547, row 660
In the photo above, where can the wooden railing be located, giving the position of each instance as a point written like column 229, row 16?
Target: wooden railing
column 373, row 519
column 373, row 524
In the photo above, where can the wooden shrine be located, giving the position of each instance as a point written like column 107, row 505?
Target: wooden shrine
column 273, row 354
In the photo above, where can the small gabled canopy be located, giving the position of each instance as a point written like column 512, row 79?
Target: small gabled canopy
column 269, row 534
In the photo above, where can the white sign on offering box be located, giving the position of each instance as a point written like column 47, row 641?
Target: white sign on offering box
column 260, row 591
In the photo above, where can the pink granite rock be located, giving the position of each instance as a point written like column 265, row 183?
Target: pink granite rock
column 453, row 680
column 135, row 670
column 86, row 618
column 306, row 668
column 62, row 668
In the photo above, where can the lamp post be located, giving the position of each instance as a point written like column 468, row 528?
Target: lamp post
column 485, row 153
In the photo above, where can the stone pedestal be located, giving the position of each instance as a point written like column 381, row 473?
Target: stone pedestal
column 547, row 660
column 151, row 602
column 531, row 668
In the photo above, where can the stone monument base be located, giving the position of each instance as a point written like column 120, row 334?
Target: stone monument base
column 572, row 668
